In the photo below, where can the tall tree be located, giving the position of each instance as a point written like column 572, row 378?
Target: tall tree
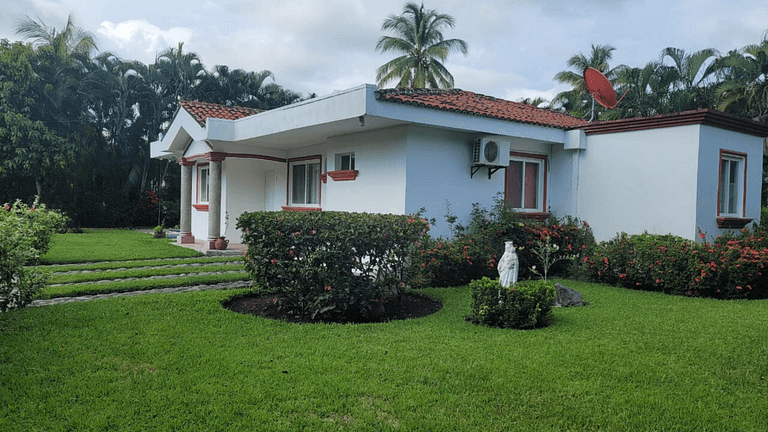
column 69, row 44
column 419, row 38
column 744, row 89
column 692, row 76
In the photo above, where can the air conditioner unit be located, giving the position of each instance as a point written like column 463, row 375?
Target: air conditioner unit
column 490, row 151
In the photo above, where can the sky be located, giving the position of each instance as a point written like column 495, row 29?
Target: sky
column 515, row 47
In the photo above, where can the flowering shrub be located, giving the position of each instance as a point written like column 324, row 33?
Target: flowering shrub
column 475, row 250
column 526, row 306
column 731, row 267
column 26, row 233
column 329, row 265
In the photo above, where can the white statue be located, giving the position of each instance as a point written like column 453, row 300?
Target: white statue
column 508, row 265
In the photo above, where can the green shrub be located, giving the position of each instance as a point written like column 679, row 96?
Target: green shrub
column 329, row 265
column 730, row 267
column 475, row 249
column 26, row 233
column 526, row 306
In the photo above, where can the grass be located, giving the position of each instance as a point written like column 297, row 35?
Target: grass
column 111, row 245
column 71, row 290
column 629, row 361
column 110, row 265
column 143, row 273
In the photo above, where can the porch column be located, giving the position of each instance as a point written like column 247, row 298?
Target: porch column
column 214, row 200
column 185, row 223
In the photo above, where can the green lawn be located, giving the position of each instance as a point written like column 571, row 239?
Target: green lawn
column 111, row 245
column 630, row 361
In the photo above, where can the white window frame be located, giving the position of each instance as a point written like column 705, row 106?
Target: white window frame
column 541, row 189
column 203, row 183
column 316, row 180
column 339, row 161
column 726, row 189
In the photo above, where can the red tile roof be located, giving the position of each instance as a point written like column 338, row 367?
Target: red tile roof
column 465, row 102
column 202, row 110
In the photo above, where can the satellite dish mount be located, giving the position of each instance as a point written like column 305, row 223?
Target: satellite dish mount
column 601, row 90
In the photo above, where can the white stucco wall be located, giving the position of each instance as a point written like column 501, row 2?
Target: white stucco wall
column 640, row 181
column 438, row 169
column 711, row 141
column 562, row 182
column 380, row 184
column 244, row 189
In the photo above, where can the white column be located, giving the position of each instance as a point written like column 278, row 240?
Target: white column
column 185, row 222
column 214, row 200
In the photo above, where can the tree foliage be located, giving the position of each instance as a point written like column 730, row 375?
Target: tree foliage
column 75, row 125
column 419, row 38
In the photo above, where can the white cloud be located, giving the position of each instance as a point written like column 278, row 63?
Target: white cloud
column 140, row 40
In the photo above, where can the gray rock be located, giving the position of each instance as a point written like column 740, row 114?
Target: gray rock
column 567, row 296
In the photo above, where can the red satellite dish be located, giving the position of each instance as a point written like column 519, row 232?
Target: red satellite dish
column 601, row 89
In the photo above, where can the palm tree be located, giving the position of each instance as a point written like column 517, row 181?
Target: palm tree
column 744, row 89
column 689, row 88
column 66, row 44
column 577, row 101
column 181, row 71
column 419, row 37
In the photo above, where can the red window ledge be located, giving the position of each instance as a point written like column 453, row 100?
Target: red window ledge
column 535, row 216
column 297, row 209
column 200, row 207
column 345, row 175
column 732, row 222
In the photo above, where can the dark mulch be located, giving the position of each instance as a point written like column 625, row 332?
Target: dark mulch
column 412, row 306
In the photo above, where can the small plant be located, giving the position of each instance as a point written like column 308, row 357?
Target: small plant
column 548, row 254
column 159, row 229
column 526, row 306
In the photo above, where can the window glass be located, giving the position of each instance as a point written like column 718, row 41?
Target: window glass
column 203, row 184
column 345, row 162
column 731, row 185
column 305, row 183
column 524, row 179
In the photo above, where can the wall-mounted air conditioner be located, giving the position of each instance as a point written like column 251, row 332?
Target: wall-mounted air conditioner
column 490, row 151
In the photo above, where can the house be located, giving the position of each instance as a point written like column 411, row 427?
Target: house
column 398, row 151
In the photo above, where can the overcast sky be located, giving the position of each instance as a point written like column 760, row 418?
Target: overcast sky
column 515, row 47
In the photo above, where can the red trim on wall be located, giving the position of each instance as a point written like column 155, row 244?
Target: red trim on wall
column 304, row 158
column 703, row 116
column 541, row 157
column 720, row 183
column 343, row 175
column 186, row 162
column 732, row 222
column 223, row 155
column 300, row 209
column 541, row 216
column 200, row 207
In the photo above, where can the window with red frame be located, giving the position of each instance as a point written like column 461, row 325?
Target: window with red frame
column 525, row 184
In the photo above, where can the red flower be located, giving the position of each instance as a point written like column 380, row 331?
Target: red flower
column 327, row 288
column 275, row 261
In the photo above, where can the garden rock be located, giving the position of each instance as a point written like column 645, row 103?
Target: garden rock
column 567, row 296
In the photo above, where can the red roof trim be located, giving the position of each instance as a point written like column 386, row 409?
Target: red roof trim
column 200, row 111
column 464, row 102
column 703, row 116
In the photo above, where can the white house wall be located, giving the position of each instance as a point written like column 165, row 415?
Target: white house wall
column 640, row 181
column 438, row 170
column 561, row 181
column 711, row 141
column 380, row 184
column 244, row 189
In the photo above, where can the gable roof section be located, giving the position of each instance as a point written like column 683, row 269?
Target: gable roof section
column 465, row 102
column 702, row 116
column 202, row 110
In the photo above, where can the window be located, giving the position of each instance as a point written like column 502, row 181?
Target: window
column 732, row 184
column 345, row 162
column 203, row 180
column 525, row 190
column 305, row 182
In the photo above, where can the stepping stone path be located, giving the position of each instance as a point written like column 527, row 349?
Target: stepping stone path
column 181, row 264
